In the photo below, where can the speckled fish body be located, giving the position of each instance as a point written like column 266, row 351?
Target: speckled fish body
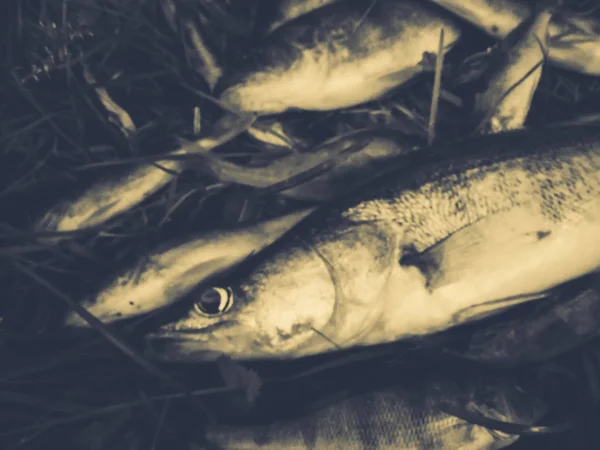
column 169, row 273
column 507, row 99
column 457, row 232
column 337, row 56
column 408, row 416
column 540, row 335
column 287, row 10
column 574, row 42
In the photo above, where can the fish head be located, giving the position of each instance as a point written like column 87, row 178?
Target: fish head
column 308, row 294
column 273, row 312
column 264, row 79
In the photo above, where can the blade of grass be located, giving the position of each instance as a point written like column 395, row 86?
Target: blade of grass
column 117, row 114
column 437, row 82
column 159, row 425
column 112, row 337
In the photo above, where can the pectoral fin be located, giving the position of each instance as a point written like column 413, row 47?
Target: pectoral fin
column 509, row 254
column 483, row 247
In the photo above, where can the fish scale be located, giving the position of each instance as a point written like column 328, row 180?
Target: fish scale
column 558, row 184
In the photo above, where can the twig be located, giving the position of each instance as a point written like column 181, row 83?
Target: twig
column 111, row 336
column 437, row 81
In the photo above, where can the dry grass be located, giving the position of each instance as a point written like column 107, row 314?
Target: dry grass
column 96, row 390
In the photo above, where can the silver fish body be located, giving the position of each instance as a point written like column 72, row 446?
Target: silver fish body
column 408, row 416
column 540, row 336
column 337, row 56
column 116, row 194
column 574, row 42
column 457, row 232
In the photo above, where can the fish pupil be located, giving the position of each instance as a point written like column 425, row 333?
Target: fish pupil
column 214, row 301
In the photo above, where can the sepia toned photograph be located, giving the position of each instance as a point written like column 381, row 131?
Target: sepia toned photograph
column 300, row 225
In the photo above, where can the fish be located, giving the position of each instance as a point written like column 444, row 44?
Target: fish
column 175, row 269
column 574, row 41
column 570, row 322
column 119, row 192
column 336, row 56
column 505, row 103
column 284, row 11
column 199, row 53
column 457, row 232
column 409, row 415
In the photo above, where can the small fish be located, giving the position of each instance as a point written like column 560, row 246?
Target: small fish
column 455, row 232
column 337, row 56
column 507, row 100
column 171, row 272
column 284, row 11
column 118, row 193
column 541, row 335
column 407, row 416
column 574, row 41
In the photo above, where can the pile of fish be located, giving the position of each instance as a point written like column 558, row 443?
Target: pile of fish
column 401, row 240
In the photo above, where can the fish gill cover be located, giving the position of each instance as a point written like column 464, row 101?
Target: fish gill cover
column 91, row 88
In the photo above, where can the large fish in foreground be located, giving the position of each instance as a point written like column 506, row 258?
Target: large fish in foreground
column 408, row 416
column 340, row 55
column 458, row 232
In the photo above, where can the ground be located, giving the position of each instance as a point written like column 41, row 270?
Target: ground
column 56, row 135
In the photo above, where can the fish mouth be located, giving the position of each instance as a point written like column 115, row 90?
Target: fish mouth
column 170, row 344
column 176, row 348
column 173, row 333
column 187, row 345
column 171, row 348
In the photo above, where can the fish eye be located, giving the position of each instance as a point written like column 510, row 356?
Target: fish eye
column 214, row 301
